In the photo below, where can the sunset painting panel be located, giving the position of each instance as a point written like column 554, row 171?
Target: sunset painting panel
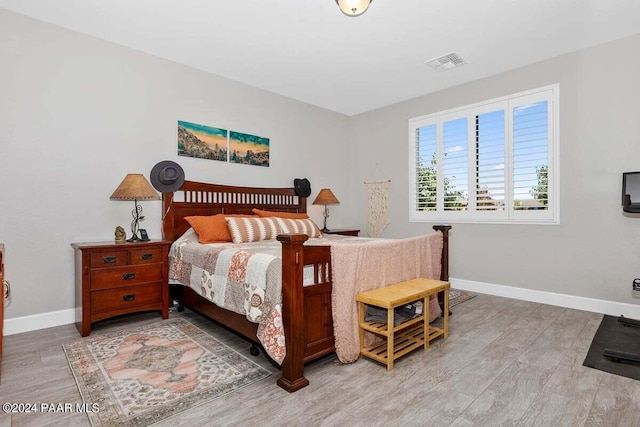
column 201, row 141
column 248, row 149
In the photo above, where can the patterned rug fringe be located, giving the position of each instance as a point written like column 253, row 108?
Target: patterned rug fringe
column 457, row 296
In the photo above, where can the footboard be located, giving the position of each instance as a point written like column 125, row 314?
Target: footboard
column 318, row 318
column 306, row 310
column 307, row 318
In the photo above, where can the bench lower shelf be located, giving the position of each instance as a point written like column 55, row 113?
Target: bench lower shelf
column 404, row 342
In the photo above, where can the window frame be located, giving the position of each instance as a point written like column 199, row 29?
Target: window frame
column 509, row 215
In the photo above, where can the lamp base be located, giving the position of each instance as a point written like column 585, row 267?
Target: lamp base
column 325, row 214
column 135, row 238
column 135, row 225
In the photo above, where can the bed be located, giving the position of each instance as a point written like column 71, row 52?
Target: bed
column 306, row 310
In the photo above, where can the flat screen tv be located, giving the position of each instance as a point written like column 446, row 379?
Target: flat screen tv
column 631, row 192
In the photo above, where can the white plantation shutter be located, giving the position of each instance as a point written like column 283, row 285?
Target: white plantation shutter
column 425, row 165
column 490, row 161
column 530, row 155
column 494, row 161
column 455, row 164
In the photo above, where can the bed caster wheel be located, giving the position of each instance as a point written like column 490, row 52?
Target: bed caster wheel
column 254, row 351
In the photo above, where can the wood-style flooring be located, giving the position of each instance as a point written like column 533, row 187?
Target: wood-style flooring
column 506, row 362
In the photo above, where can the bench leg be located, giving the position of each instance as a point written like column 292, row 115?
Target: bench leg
column 390, row 333
column 361, row 311
column 446, row 313
column 425, row 314
column 441, row 298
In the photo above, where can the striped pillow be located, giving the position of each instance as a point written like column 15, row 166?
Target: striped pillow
column 244, row 230
column 301, row 226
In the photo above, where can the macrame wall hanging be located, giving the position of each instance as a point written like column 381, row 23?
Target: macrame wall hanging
column 377, row 204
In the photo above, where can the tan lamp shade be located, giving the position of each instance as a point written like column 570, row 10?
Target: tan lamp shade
column 135, row 186
column 326, row 197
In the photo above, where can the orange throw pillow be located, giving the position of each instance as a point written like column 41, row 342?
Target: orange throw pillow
column 212, row 228
column 290, row 215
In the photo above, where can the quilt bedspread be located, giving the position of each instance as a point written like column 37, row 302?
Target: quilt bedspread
column 246, row 279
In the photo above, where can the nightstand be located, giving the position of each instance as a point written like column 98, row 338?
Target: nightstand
column 2, row 293
column 343, row 232
column 114, row 279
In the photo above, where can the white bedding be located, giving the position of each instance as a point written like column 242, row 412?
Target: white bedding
column 273, row 247
column 244, row 278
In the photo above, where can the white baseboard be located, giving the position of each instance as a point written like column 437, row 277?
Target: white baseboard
column 39, row 321
column 611, row 308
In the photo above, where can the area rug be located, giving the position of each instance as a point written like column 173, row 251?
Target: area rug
column 614, row 336
column 457, row 297
column 142, row 375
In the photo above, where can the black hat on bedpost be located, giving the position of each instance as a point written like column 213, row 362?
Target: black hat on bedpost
column 302, row 186
column 167, row 176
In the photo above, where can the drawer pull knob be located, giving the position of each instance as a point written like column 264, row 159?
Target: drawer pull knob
column 129, row 297
column 109, row 259
column 6, row 292
column 147, row 256
column 129, row 276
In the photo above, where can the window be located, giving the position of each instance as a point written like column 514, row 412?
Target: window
column 494, row 161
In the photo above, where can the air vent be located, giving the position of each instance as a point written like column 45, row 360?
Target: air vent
column 446, row 62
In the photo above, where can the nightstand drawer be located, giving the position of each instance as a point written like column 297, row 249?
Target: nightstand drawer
column 108, row 259
column 146, row 256
column 125, row 276
column 126, row 297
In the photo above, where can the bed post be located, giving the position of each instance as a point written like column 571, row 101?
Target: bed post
column 444, row 260
column 292, row 378
column 168, row 222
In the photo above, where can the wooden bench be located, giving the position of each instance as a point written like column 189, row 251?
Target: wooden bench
column 410, row 334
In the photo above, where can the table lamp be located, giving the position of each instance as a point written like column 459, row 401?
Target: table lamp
column 325, row 197
column 135, row 187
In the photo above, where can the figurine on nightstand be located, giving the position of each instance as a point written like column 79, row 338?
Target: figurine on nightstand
column 121, row 236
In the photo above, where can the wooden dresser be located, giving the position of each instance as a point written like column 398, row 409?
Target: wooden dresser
column 1, row 302
column 114, row 279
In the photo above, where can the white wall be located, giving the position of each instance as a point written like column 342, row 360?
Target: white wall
column 595, row 251
column 77, row 114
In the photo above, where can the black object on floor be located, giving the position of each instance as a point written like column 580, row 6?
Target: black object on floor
column 614, row 336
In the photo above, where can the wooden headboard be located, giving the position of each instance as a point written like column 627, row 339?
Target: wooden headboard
column 201, row 199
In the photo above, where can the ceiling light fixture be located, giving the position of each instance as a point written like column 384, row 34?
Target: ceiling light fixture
column 353, row 7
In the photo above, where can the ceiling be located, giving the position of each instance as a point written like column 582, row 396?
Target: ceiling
column 308, row 50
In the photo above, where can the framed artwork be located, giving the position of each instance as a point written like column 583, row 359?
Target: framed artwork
column 203, row 142
column 206, row 142
column 248, row 149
